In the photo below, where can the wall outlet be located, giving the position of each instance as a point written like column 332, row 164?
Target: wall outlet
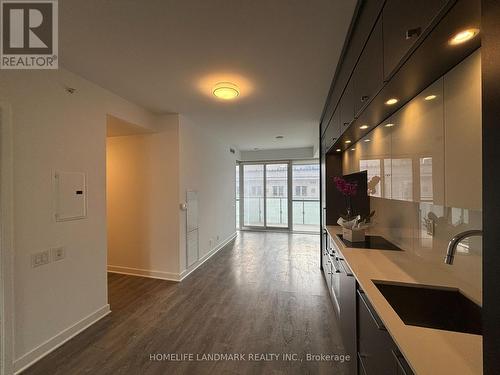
column 40, row 259
column 58, row 253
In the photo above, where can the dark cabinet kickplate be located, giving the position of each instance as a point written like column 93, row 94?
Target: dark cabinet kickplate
column 371, row 242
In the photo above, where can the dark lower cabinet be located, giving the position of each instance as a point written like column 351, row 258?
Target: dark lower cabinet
column 377, row 353
column 348, row 313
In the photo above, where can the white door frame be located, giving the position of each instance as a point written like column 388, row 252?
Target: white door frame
column 6, row 242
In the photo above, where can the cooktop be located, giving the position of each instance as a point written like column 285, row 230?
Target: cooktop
column 371, row 242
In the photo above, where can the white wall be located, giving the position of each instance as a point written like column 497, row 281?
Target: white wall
column 55, row 130
column 142, row 206
column 278, row 154
column 206, row 166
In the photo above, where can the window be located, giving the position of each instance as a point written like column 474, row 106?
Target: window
column 278, row 191
column 256, row 191
column 265, row 201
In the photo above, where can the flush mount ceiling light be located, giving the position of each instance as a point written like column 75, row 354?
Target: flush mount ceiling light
column 392, row 101
column 430, row 97
column 363, row 127
column 226, row 91
column 348, row 141
column 463, row 36
column 389, row 125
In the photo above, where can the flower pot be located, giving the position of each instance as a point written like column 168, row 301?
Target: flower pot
column 353, row 235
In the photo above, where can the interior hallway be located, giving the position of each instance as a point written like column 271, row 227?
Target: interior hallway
column 262, row 293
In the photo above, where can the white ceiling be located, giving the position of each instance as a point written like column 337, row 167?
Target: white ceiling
column 166, row 55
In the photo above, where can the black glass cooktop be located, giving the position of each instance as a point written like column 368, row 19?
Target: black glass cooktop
column 371, row 242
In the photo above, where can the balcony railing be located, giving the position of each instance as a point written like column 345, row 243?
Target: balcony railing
column 306, row 212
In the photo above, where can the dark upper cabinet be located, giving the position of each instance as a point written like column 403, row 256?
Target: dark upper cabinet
column 332, row 132
column 403, row 23
column 369, row 73
column 347, row 106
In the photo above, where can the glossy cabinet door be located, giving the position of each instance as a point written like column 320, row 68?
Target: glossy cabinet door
column 417, row 148
column 463, row 133
column 347, row 106
column 369, row 73
column 332, row 132
column 373, row 154
column 403, row 23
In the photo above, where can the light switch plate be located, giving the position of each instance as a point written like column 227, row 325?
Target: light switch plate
column 40, row 259
column 58, row 253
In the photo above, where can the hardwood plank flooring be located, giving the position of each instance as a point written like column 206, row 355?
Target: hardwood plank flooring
column 262, row 293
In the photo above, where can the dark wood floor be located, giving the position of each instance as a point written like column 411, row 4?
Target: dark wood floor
column 262, row 293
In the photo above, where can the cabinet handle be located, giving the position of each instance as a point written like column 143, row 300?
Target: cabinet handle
column 335, row 267
column 410, row 33
column 373, row 314
column 364, row 98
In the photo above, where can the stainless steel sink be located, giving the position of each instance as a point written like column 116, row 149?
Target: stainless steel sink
column 432, row 307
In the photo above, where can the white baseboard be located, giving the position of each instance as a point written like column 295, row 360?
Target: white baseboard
column 206, row 257
column 144, row 273
column 56, row 341
column 170, row 275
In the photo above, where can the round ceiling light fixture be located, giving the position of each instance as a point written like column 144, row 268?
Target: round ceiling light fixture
column 463, row 36
column 226, row 91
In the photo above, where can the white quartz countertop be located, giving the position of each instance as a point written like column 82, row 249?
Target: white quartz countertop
column 427, row 350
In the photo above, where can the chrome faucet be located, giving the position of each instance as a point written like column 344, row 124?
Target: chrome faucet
column 452, row 245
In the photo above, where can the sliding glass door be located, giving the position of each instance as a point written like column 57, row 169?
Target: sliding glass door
column 253, row 195
column 265, row 195
column 305, row 196
column 278, row 195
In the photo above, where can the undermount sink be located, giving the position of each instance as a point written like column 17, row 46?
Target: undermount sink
column 432, row 307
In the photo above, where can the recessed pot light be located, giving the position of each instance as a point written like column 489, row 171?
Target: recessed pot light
column 389, row 125
column 348, row 141
column 226, row 91
column 430, row 97
column 367, row 140
column 338, row 150
column 363, row 127
column 391, row 101
column 353, row 149
column 463, row 36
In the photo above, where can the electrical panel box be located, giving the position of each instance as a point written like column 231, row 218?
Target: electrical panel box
column 70, row 196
